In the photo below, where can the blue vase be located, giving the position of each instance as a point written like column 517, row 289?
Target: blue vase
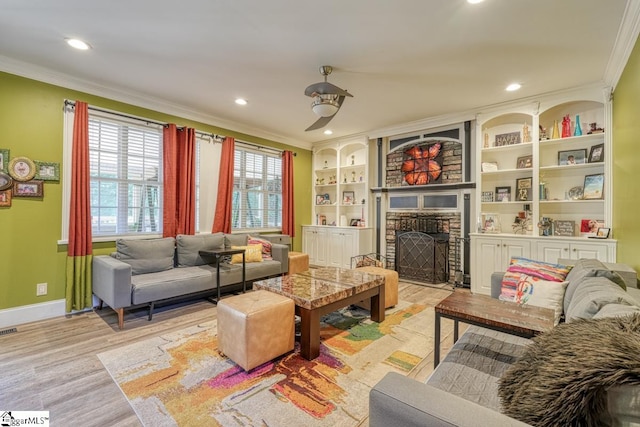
column 578, row 130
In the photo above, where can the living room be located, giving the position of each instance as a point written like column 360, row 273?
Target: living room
column 32, row 104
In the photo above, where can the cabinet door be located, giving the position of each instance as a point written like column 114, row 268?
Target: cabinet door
column 552, row 251
column 589, row 250
column 514, row 248
column 349, row 247
column 310, row 244
column 488, row 258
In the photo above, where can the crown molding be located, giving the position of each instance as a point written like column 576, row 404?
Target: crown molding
column 624, row 44
column 49, row 76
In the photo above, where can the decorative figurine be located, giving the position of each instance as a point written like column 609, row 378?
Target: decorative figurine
column 593, row 128
column 353, row 176
column 566, row 126
column 578, row 130
column 486, row 140
column 361, row 177
column 543, row 133
column 345, row 178
column 556, row 130
column 526, row 136
column 353, row 159
column 326, row 164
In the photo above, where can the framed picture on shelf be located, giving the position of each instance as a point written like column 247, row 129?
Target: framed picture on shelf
column 564, row 228
column 490, row 223
column 487, row 196
column 510, row 138
column 524, row 189
column 596, row 154
column 28, row 189
column 354, row 222
column 348, row 197
column 319, row 199
column 603, row 232
column 589, row 227
column 593, row 187
column 524, row 162
column 572, row 157
column 503, row 194
column 489, row 166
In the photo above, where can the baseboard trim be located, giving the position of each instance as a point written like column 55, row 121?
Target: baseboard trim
column 31, row 313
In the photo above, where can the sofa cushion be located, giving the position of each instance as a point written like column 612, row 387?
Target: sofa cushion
column 266, row 246
column 235, row 240
column 584, row 268
column 616, row 310
column 148, row 255
column 593, row 294
column 522, row 268
column 188, row 247
column 563, row 377
column 252, row 253
column 541, row 293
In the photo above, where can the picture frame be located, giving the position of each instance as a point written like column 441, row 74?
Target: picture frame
column 489, row 166
column 524, row 189
column 572, row 157
column 28, row 188
column 348, row 197
column 596, row 153
column 503, row 194
column 593, row 187
column 47, row 171
column 487, row 196
column 490, row 223
column 589, row 227
column 524, row 162
column 22, row 169
column 564, row 228
column 354, row 222
column 4, row 159
column 319, row 199
column 6, row 181
column 510, row 138
column 5, row 199
column 603, row 233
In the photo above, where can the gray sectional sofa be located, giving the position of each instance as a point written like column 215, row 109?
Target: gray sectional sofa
column 463, row 389
column 147, row 271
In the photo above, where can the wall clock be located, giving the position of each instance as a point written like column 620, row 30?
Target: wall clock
column 22, row 168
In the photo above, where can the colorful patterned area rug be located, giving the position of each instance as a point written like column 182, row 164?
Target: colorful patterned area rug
column 181, row 378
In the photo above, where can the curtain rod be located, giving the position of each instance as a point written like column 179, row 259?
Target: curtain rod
column 214, row 136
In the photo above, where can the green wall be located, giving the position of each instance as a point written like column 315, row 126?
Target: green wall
column 31, row 116
column 626, row 162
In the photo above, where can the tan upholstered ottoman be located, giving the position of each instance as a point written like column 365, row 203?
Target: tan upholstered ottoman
column 255, row 327
column 298, row 262
column 390, row 286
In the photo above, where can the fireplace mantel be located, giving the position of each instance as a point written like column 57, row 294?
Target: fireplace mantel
column 424, row 188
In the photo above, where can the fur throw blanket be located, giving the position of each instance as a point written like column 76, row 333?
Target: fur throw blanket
column 563, row 377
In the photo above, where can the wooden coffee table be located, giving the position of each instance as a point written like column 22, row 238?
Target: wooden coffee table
column 481, row 310
column 324, row 290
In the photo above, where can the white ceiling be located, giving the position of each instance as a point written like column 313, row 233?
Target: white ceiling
column 403, row 60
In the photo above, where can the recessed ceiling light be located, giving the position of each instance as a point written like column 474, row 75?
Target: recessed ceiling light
column 474, row 1
column 513, row 86
column 328, row 132
column 78, row 44
column 241, row 101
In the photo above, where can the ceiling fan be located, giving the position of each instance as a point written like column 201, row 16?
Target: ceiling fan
column 327, row 99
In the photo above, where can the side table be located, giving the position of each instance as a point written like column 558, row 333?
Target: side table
column 217, row 254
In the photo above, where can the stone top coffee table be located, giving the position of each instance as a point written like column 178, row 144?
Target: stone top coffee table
column 324, row 290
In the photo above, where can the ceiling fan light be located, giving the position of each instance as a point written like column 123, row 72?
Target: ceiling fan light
column 324, row 107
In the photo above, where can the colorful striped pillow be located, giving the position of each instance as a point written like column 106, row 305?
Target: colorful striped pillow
column 520, row 267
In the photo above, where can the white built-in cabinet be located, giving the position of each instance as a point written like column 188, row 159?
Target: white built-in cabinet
column 516, row 144
column 329, row 246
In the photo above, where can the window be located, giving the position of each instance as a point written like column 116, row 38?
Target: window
column 257, row 189
column 126, row 177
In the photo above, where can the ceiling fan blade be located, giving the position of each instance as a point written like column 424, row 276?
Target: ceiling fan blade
column 325, row 88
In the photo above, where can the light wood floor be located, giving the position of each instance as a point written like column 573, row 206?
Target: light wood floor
column 51, row 365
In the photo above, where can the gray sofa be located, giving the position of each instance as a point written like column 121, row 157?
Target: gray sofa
column 147, row 271
column 463, row 389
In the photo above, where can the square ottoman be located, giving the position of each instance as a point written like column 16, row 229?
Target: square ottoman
column 255, row 327
column 390, row 286
column 298, row 262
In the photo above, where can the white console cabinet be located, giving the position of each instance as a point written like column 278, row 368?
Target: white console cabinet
column 492, row 252
column 331, row 246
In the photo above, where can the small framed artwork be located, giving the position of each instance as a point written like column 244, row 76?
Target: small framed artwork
column 510, row 138
column 503, row 194
column 489, row 166
column 564, row 228
column 572, row 157
column 28, row 189
column 589, row 227
column 490, row 223
column 487, row 196
column 524, row 162
column 593, row 187
column 5, row 199
column 319, row 199
column 348, row 197
column 524, row 190
column 5, row 181
column 47, row 171
column 354, row 222
column 4, row 159
column 603, row 233
column 596, row 153
column 22, row 169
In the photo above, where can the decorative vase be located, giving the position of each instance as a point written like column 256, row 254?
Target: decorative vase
column 566, row 126
column 578, row 129
column 556, row 130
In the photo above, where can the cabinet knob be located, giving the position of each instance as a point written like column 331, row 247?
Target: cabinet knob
column 565, row 249
column 575, row 250
column 504, row 245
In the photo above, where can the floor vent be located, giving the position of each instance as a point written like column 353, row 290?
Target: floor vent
column 8, row 331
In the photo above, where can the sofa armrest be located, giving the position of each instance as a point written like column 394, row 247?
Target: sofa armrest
column 496, row 284
column 281, row 253
column 401, row 401
column 112, row 281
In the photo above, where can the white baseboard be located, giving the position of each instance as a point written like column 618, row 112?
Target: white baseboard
column 31, row 313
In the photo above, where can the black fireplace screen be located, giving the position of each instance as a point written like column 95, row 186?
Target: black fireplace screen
column 422, row 257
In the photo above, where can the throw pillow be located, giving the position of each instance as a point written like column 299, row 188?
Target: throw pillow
column 538, row 269
column 541, row 293
column 266, row 246
column 147, row 255
column 252, row 253
column 563, row 377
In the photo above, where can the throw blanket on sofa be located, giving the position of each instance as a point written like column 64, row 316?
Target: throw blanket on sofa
column 476, row 363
